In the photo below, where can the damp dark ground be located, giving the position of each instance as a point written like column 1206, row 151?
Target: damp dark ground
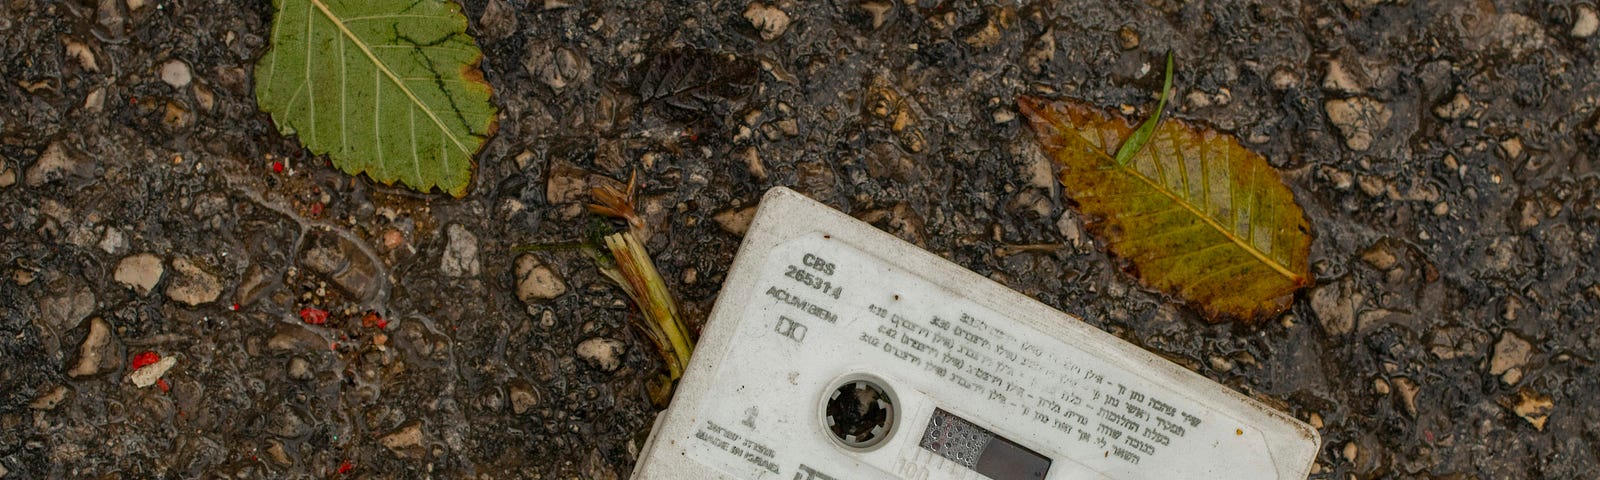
column 1445, row 153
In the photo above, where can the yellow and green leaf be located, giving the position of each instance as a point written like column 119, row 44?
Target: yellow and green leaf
column 387, row 88
column 1192, row 211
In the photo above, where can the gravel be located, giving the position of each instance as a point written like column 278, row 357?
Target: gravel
column 148, row 375
column 98, row 352
column 57, row 162
column 767, row 19
column 524, row 398
column 1511, row 354
column 535, row 281
column 406, row 441
column 176, row 73
column 1455, row 108
column 8, row 176
column 51, row 398
column 1586, row 23
column 191, row 284
column 735, row 220
column 299, row 369
column 604, row 354
column 140, row 272
column 1359, row 119
column 69, row 302
column 460, row 253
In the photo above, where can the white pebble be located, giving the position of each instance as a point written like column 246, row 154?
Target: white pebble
column 176, row 73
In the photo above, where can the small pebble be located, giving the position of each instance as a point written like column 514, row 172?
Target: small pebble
column 604, row 354
column 535, row 281
column 82, row 54
column 735, row 220
column 1003, row 115
column 1511, row 147
column 1339, row 80
column 1128, row 38
column 1456, row 107
column 1510, row 352
column 460, row 257
column 1359, row 119
column 98, row 351
column 50, row 398
column 299, row 369
column 1586, row 23
column 879, row 10
column 139, row 272
column 1380, row 256
column 1534, row 407
column 148, row 375
column 176, row 73
column 769, row 20
column 523, row 399
column 406, row 441
column 1283, row 79
column 753, row 163
column 192, row 285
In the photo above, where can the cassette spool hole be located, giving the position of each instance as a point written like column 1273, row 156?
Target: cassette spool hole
column 860, row 413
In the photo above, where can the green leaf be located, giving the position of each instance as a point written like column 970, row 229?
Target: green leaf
column 1194, row 213
column 387, row 88
column 1142, row 135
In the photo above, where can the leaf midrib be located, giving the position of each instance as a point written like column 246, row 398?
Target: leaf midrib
column 366, row 50
column 1248, row 248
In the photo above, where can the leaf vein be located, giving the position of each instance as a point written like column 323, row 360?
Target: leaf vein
column 384, row 68
column 1229, row 233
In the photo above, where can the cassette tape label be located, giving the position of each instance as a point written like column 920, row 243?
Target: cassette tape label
column 1036, row 383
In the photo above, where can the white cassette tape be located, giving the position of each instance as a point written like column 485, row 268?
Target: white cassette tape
column 837, row 351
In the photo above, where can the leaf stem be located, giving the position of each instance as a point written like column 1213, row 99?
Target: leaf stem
column 1136, row 141
column 631, row 268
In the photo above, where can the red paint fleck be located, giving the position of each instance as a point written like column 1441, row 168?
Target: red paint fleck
column 333, row 346
column 234, row 307
column 133, row 100
column 316, row 209
column 373, row 320
column 346, row 467
column 163, row 384
column 277, row 167
column 314, row 315
column 144, row 358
